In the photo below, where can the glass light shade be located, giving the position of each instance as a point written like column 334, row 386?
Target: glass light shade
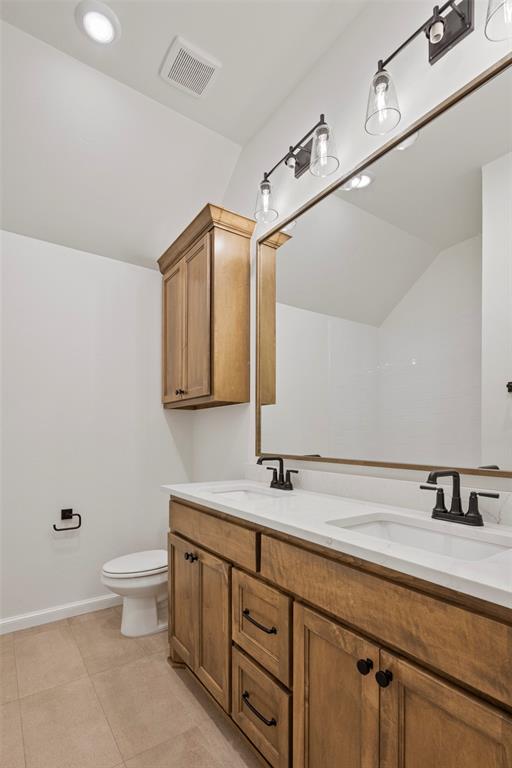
column 263, row 211
column 498, row 24
column 323, row 152
column 383, row 112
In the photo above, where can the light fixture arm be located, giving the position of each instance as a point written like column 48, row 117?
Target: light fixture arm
column 424, row 29
column 293, row 149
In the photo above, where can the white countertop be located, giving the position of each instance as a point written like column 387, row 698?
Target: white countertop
column 307, row 515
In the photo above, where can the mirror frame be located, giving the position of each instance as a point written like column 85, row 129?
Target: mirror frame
column 265, row 273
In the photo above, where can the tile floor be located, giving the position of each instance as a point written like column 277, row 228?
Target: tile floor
column 77, row 694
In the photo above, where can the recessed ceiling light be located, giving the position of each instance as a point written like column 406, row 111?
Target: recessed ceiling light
column 408, row 142
column 98, row 21
column 360, row 181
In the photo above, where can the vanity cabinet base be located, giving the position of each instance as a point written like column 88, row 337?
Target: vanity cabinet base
column 320, row 663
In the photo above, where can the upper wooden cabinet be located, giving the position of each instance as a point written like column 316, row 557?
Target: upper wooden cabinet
column 206, row 294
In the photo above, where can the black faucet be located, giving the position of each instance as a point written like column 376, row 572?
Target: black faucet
column 456, row 514
column 279, row 481
column 456, row 506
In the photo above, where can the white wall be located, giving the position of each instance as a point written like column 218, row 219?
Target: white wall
column 429, row 364
column 497, row 312
column 326, row 386
column 83, row 426
column 338, row 85
column 407, row 390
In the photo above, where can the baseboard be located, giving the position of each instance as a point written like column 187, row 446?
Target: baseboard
column 35, row 618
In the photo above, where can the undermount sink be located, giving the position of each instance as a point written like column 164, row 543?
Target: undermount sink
column 427, row 535
column 247, row 494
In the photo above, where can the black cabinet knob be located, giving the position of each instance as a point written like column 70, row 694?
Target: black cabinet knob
column 193, row 558
column 364, row 666
column 177, row 392
column 187, row 555
column 384, row 677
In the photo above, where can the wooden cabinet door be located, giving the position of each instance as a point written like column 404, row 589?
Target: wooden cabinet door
column 172, row 335
column 427, row 723
column 196, row 352
column 213, row 655
column 183, row 591
column 336, row 708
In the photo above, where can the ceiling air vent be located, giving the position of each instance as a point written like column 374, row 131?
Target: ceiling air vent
column 188, row 68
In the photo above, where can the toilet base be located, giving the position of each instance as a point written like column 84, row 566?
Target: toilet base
column 140, row 617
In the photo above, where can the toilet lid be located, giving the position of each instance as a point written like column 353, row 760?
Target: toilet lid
column 150, row 561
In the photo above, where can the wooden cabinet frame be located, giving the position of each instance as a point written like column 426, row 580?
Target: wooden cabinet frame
column 200, row 630
column 308, row 624
column 453, row 690
column 205, row 321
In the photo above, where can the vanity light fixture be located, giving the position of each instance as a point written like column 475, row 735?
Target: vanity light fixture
column 264, row 211
column 498, row 24
column 98, row 21
column 447, row 26
column 316, row 151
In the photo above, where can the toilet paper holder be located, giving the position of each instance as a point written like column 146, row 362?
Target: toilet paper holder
column 68, row 514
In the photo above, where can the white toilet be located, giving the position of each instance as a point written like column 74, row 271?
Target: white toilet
column 141, row 580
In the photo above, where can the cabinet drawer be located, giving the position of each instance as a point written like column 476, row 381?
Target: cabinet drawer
column 261, row 708
column 233, row 542
column 261, row 624
column 464, row 645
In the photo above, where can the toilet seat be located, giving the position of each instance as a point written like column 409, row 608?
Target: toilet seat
column 137, row 564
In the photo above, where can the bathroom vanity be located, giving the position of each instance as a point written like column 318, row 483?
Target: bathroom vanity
column 320, row 640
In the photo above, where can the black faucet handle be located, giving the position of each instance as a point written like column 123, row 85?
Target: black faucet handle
column 288, row 482
column 473, row 516
column 274, row 480
column 440, row 505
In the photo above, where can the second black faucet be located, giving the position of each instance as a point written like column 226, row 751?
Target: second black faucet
column 284, row 483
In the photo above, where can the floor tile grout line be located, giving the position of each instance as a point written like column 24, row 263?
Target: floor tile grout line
column 107, row 720
column 18, row 700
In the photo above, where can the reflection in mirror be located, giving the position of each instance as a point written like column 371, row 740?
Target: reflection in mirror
column 393, row 304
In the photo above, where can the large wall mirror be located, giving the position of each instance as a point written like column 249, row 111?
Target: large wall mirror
column 385, row 314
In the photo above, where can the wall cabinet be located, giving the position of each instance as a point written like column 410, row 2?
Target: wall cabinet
column 205, row 312
column 353, row 699
column 200, row 632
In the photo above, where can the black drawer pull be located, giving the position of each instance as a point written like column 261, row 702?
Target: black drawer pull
column 245, row 697
column 271, row 631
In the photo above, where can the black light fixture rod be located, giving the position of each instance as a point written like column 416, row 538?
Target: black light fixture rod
column 296, row 146
column 424, row 27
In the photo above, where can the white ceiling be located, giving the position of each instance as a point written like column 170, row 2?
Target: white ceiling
column 265, row 48
column 346, row 262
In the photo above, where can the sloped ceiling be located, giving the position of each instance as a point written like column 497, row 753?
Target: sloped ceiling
column 92, row 164
column 265, row 49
